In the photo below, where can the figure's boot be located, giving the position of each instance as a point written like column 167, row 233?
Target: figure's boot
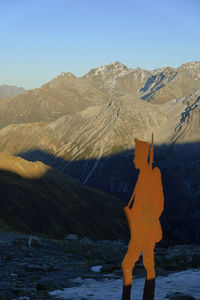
column 149, row 288
column 126, row 294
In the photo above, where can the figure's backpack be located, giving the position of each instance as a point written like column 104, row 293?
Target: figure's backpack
column 157, row 197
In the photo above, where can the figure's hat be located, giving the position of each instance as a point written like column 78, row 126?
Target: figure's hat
column 141, row 148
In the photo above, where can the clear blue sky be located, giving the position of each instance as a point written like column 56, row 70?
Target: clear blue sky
column 42, row 38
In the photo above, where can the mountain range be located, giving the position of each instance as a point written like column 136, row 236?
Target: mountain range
column 112, row 92
column 85, row 127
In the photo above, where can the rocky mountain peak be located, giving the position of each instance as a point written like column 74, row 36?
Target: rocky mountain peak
column 67, row 74
column 112, row 68
column 193, row 65
column 64, row 77
column 164, row 70
column 192, row 69
column 108, row 71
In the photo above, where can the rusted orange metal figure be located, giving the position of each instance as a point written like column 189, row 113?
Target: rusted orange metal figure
column 143, row 220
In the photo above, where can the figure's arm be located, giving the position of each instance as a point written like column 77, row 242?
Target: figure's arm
column 131, row 200
column 132, row 197
column 129, row 211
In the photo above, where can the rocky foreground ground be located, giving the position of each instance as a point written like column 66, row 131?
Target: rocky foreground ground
column 31, row 267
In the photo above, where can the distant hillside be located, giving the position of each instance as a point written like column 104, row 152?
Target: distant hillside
column 7, row 91
column 63, row 95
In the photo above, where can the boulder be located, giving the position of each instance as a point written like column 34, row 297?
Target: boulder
column 180, row 296
column 196, row 261
column 71, row 237
column 86, row 241
column 46, row 285
column 34, row 241
column 109, row 268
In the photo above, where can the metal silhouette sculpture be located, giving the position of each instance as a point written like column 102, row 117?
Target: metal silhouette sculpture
column 143, row 220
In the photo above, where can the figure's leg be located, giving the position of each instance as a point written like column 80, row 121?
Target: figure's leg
column 148, row 261
column 128, row 264
column 149, row 289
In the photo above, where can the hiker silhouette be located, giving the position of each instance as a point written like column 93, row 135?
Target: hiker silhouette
column 143, row 220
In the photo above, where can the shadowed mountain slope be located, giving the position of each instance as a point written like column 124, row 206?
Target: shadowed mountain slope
column 37, row 199
column 116, row 175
